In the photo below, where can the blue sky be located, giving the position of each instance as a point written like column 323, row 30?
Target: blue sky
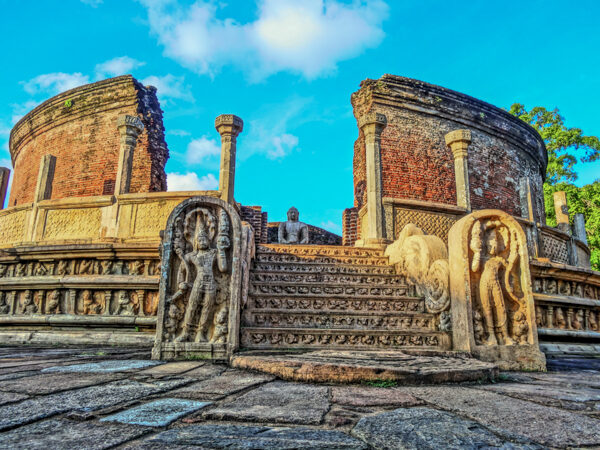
column 288, row 67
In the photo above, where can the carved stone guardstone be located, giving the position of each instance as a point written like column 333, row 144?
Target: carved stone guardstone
column 493, row 314
column 201, row 277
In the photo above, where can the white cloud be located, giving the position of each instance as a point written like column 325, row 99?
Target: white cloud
column 92, row 3
column 282, row 145
column 190, row 181
column 170, row 87
column 199, row 150
column 177, row 132
column 20, row 109
column 53, row 83
column 120, row 65
column 309, row 37
column 332, row 226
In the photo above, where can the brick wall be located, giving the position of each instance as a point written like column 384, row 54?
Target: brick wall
column 79, row 128
column 258, row 219
column 349, row 226
column 316, row 235
column 417, row 164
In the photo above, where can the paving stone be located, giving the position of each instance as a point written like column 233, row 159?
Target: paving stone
column 247, row 437
column 514, row 418
column 171, row 368
column 15, row 375
column 551, row 395
column 227, row 383
column 57, row 434
column 11, row 397
column 105, row 366
column 577, row 379
column 47, row 383
column 158, row 413
column 424, row 428
column 372, row 396
column 277, row 402
column 84, row 399
column 206, row 371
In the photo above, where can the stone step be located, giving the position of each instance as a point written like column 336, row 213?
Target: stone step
column 263, row 338
column 364, row 320
column 404, row 304
column 327, row 278
column 320, row 250
column 303, row 267
column 262, row 257
column 330, row 290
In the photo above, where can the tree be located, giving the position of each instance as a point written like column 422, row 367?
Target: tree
column 565, row 147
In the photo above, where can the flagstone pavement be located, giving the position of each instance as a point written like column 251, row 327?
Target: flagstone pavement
column 93, row 398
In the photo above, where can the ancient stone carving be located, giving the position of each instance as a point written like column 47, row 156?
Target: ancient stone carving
column 200, row 279
column 89, row 303
column 492, row 301
column 4, row 303
column 124, row 304
column 292, row 231
column 53, row 302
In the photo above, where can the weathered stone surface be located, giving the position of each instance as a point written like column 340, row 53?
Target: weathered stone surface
column 47, row 383
column 514, row 418
column 423, row 428
column 65, row 434
column 10, row 397
column 551, row 395
column 206, row 371
column 278, row 402
column 157, row 413
column 372, row 396
column 105, row 366
column 172, row 368
column 85, row 399
column 354, row 367
column 227, row 383
column 245, row 437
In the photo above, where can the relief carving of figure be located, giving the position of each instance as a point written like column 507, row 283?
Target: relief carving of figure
column 28, row 306
column 63, row 267
column 53, row 302
column 20, row 270
column 125, row 306
column 86, row 267
column 4, row 306
column 292, row 231
column 3, row 270
column 495, row 259
column 196, row 275
column 593, row 321
column 90, row 305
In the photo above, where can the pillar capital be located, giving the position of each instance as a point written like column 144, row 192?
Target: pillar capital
column 458, row 141
column 129, row 125
column 229, row 124
column 129, row 128
column 372, row 121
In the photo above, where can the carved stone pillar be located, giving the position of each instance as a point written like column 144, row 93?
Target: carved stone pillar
column 372, row 125
column 4, row 176
column 130, row 128
column 562, row 211
column 43, row 189
column 458, row 141
column 579, row 228
column 229, row 127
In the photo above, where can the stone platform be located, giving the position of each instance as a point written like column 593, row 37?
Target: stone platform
column 331, row 366
column 96, row 398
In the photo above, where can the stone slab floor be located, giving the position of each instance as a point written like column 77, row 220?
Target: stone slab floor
column 92, row 398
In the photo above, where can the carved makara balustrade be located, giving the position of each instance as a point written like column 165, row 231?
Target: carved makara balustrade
column 493, row 314
column 201, row 280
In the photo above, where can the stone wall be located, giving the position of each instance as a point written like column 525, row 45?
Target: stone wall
column 79, row 128
column 418, row 165
column 316, row 235
column 258, row 219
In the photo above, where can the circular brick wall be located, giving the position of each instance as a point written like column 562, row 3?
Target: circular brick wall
column 79, row 128
column 417, row 164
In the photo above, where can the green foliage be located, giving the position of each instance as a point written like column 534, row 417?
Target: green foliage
column 68, row 103
column 381, row 383
column 565, row 145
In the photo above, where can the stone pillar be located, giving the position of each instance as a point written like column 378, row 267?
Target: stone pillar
column 526, row 200
column 372, row 124
column 130, row 128
column 458, row 141
column 579, row 228
column 562, row 211
column 43, row 189
column 4, row 176
column 229, row 127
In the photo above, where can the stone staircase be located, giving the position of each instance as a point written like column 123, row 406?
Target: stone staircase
column 333, row 297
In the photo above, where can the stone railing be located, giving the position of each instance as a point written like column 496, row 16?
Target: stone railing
column 126, row 217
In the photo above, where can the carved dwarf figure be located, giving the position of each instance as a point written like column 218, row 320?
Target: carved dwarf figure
column 90, row 306
column 488, row 260
column 28, row 306
column 63, row 267
column 174, row 315
column 53, row 302
column 124, row 305
column 4, row 306
column 293, row 231
column 202, row 259
column 3, row 270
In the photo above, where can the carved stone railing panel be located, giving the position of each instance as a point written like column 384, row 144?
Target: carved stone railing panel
column 554, row 248
column 493, row 313
column 201, row 281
